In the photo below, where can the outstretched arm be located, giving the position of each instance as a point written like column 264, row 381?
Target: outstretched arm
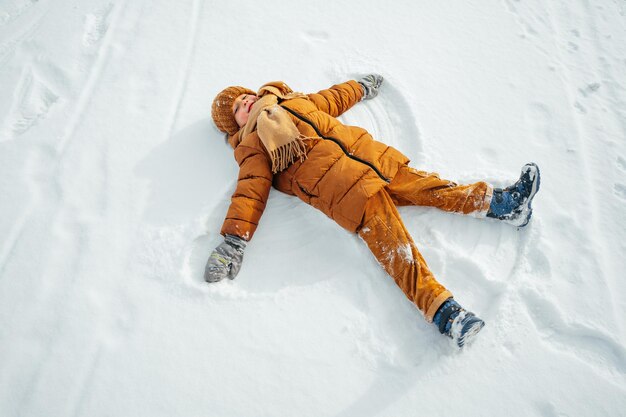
column 247, row 205
column 338, row 98
column 253, row 188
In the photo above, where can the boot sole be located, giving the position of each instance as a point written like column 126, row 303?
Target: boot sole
column 536, row 185
column 527, row 207
column 469, row 334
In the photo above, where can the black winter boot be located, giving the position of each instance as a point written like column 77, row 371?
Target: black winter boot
column 513, row 204
column 457, row 323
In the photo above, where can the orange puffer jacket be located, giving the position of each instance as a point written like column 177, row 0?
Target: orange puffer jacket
column 344, row 167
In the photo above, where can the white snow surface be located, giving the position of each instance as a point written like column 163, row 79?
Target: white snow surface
column 114, row 183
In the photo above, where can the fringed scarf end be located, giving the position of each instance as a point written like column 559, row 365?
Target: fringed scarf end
column 287, row 154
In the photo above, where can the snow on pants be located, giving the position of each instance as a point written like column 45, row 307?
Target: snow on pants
column 386, row 236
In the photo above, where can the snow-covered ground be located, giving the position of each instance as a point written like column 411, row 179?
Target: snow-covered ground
column 114, row 184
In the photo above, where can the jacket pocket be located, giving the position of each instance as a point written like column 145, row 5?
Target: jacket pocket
column 305, row 191
column 304, row 194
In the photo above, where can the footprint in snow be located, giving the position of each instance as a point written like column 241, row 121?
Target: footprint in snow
column 12, row 10
column 620, row 191
column 96, row 25
column 33, row 98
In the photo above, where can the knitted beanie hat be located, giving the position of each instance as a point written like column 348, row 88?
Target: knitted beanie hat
column 222, row 108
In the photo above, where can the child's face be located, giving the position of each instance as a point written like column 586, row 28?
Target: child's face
column 242, row 106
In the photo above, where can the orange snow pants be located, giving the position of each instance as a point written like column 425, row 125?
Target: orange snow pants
column 386, row 236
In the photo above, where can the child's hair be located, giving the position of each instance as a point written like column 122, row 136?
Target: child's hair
column 222, row 108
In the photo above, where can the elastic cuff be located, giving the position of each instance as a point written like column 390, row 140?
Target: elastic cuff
column 235, row 241
column 437, row 302
column 363, row 90
column 484, row 208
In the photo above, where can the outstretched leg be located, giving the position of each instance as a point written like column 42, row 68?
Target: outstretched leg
column 419, row 188
column 384, row 233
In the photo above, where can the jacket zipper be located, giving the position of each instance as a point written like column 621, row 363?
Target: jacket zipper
column 348, row 154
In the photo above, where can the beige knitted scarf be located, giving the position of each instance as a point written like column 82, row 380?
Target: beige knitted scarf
column 282, row 140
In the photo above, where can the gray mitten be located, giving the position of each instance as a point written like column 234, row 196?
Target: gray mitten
column 225, row 261
column 370, row 83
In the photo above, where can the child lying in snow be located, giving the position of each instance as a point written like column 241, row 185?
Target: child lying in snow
column 294, row 142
